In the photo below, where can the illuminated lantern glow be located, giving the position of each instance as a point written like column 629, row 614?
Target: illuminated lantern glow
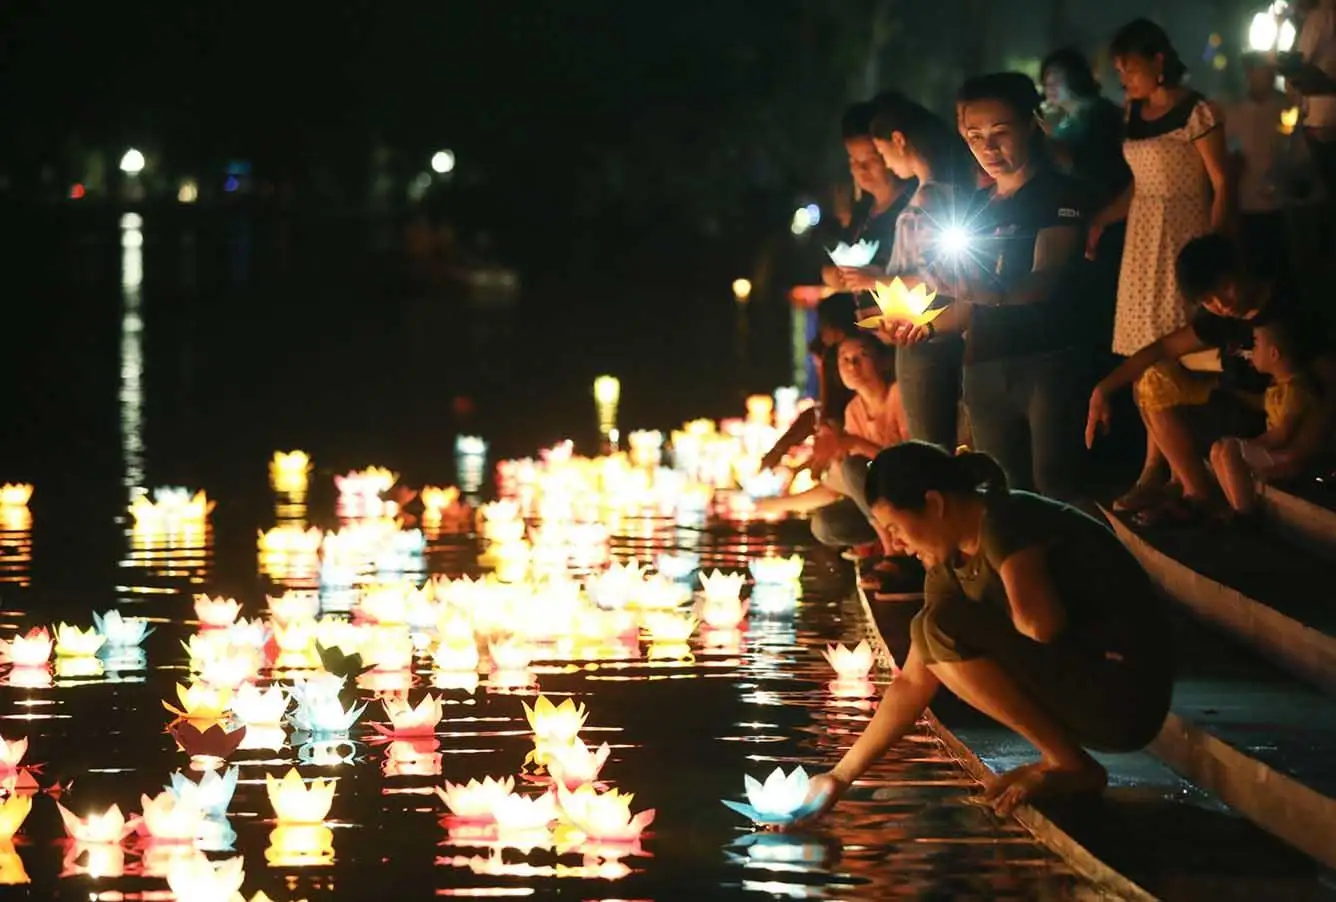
column 216, row 612
column 121, row 632
column 297, row 802
column 13, row 812
column 14, row 494
column 850, row 663
column 71, row 641
column 663, row 627
column 603, row 816
column 856, row 255
column 721, row 587
column 900, row 303
column 11, row 753
column 779, row 800
column 409, row 721
column 555, row 724
column 169, row 818
column 33, row 649
column 211, row 794
column 200, row 702
column 111, row 826
column 576, row 764
column 288, row 471
column 254, row 706
column 523, row 814
column 476, row 801
column 776, row 571
column 200, row 880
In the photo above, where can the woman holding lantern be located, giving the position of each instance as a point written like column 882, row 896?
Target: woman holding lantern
column 916, row 144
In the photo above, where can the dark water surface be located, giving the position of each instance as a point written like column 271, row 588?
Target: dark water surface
column 192, row 371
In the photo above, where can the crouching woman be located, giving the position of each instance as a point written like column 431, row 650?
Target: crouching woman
column 1034, row 613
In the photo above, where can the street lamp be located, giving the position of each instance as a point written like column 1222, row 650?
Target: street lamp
column 443, row 161
column 132, row 162
column 1272, row 30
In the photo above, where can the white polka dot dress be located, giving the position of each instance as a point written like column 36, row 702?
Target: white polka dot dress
column 1171, row 205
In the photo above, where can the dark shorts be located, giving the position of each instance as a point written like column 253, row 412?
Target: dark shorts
column 1111, row 694
column 1223, row 415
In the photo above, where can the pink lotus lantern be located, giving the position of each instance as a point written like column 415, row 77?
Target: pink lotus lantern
column 574, row 765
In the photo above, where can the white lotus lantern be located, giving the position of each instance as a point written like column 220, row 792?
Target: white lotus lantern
column 850, row 663
column 476, row 801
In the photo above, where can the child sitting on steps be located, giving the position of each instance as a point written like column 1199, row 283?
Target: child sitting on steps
column 1292, row 442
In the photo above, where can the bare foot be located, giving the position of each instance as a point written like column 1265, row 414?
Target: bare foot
column 1039, row 780
column 1002, row 782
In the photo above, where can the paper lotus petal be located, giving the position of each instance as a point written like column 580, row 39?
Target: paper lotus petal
column 555, row 724
column 456, row 657
column 295, row 607
column 669, row 628
column 108, row 827
column 677, row 567
column 300, row 846
column 200, row 702
column 779, row 800
column 13, row 813
column 121, row 632
column 343, row 665
column 261, row 707
column 576, row 764
column 170, row 818
column 212, row 744
column 776, row 571
column 521, row 813
column 12, row 752
column 723, row 614
column 476, row 801
column 298, row 802
column 603, row 815
column 850, row 663
column 211, row 794
column 406, row 720
column 198, row 879
column 859, row 254
column 900, row 303
column 510, row 655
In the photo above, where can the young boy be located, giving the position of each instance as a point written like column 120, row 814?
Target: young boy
column 1294, row 422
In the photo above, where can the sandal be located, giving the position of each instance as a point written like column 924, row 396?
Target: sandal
column 1143, row 496
column 1177, row 512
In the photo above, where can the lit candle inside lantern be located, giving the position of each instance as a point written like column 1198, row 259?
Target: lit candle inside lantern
column 607, row 395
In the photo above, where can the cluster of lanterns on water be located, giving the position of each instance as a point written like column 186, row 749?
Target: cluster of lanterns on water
column 553, row 595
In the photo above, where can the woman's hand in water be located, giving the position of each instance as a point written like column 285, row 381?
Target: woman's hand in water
column 861, row 278
column 823, row 792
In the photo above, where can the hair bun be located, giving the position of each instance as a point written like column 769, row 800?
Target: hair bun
column 982, row 471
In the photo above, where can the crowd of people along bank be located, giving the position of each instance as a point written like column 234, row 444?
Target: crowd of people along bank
column 1075, row 248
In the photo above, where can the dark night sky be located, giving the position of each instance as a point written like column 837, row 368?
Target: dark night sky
column 692, row 102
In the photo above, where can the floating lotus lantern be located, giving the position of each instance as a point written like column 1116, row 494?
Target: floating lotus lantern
column 772, row 570
column 287, row 540
column 229, row 671
column 436, row 500
column 121, row 632
column 900, row 303
column 295, row 638
column 456, row 658
column 254, row 706
column 669, row 628
column 288, row 471
column 850, row 663
column 409, row 721
column 32, row 649
column 297, row 802
column 476, row 801
column 779, row 800
column 216, row 612
column 576, row 764
column 852, row 689
column 370, row 482
column 524, row 814
column 249, row 634
column 855, row 255
column 110, row 826
column 661, row 593
column 200, row 702
column 200, row 880
column 294, row 606
column 419, row 757
column 555, row 724
column 721, row 587
column 326, row 716
column 618, row 585
column 723, row 614
column 171, row 509
column 168, row 818
column 211, row 794
column 603, row 816
column 73, row 642
column 13, row 813
column 15, row 494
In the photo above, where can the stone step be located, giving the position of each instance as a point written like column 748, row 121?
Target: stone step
column 1163, row 828
column 1304, row 515
column 1268, row 594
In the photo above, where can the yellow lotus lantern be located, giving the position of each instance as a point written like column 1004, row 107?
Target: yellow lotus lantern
column 296, row 802
column 73, row 642
column 438, row 499
column 15, row 494
column 555, row 724
column 288, row 470
column 196, row 877
column 13, row 813
column 12, row 872
column 200, row 702
column 290, row 541
column 1289, row 120
column 900, row 303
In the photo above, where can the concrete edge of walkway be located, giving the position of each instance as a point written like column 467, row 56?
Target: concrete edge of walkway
column 1310, row 526
column 1085, row 863
column 1296, row 648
